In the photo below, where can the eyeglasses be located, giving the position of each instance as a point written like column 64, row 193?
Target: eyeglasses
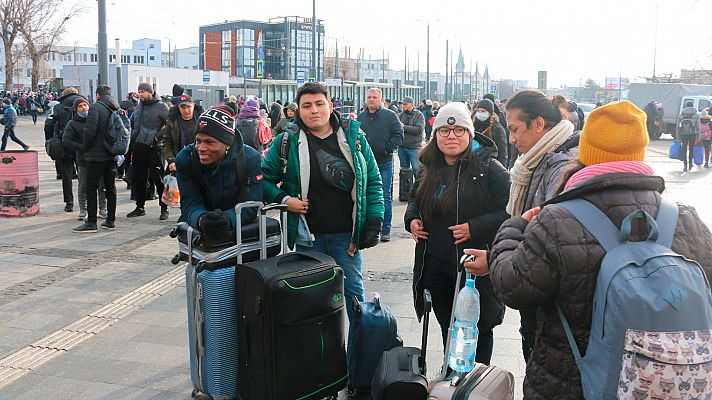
column 445, row 131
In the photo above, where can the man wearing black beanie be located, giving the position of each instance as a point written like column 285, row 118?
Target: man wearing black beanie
column 209, row 177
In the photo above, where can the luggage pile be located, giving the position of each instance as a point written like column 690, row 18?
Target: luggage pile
column 262, row 325
column 268, row 324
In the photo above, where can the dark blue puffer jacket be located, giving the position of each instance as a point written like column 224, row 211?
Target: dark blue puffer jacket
column 10, row 117
column 219, row 185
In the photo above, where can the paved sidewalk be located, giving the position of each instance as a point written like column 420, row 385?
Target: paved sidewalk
column 130, row 341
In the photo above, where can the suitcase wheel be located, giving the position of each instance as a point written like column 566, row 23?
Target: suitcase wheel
column 176, row 259
column 200, row 396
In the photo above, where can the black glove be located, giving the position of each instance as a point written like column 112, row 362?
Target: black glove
column 214, row 224
column 371, row 233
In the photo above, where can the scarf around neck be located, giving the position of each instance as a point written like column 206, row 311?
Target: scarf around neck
column 636, row 167
column 527, row 163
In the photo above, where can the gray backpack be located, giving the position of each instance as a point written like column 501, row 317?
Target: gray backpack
column 652, row 313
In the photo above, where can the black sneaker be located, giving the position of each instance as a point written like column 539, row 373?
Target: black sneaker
column 138, row 212
column 87, row 227
column 69, row 207
column 108, row 225
column 164, row 215
column 385, row 236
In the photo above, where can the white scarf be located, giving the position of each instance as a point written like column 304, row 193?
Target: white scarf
column 527, row 163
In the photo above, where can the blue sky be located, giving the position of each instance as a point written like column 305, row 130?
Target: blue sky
column 572, row 40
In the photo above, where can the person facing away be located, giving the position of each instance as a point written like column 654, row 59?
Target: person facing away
column 62, row 114
column 210, row 179
column 706, row 134
column 329, row 180
column 458, row 201
column 100, row 163
column 384, row 133
column 547, row 257
column 688, row 132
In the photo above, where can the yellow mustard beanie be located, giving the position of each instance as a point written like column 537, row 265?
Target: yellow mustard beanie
column 614, row 132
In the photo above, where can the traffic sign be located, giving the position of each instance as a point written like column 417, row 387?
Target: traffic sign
column 494, row 88
column 260, row 69
column 206, row 75
column 301, row 76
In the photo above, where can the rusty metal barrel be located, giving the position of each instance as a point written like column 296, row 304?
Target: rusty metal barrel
column 19, row 184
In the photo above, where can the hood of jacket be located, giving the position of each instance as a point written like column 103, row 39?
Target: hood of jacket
column 174, row 112
column 78, row 118
column 110, row 101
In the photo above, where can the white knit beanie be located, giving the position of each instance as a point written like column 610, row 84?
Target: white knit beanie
column 454, row 113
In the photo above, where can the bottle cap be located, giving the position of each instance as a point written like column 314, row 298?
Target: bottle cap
column 470, row 283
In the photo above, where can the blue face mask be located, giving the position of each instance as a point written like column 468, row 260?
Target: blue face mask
column 83, row 114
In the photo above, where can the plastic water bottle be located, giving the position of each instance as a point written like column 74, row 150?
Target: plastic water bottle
column 463, row 343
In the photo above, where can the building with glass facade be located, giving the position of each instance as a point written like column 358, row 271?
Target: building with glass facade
column 278, row 49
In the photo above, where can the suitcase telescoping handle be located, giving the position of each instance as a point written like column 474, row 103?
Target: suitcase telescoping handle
column 427, row 307
column 282, row 226
column 238, row 226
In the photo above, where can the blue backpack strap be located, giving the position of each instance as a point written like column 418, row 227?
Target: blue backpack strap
column 569, row 334
column 667, row 222
column 594, row 220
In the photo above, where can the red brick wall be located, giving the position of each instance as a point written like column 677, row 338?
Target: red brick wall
column 213, row 55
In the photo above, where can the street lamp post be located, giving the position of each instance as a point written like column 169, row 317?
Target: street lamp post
column 314, row 33
column 427, row 83
column 118, row 69
column 103, row 52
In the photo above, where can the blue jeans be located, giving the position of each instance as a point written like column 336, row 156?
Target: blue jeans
column 336, row 245
column 409, row 159
column 386, row 170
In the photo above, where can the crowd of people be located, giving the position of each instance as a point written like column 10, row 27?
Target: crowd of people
column 488, row 178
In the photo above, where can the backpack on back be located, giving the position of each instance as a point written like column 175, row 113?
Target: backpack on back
column 119, row 132
column 652, row 313
column 687, row 125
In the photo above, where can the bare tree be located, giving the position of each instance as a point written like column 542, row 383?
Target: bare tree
column 46, row 22
column 10, row 17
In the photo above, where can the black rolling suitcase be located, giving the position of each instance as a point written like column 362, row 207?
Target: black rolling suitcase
column 405, row 183
column 291, row 331
column 211, row 299
column 401, row 373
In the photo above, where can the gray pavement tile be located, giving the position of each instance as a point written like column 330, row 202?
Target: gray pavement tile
column 17, row 338
column 163, row 335
column 173, row 300
column 145, row 353
column 117, row 372
column 169, row 319
column 40, row 386
column 40, row 321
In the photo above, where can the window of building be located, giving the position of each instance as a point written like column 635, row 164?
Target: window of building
column 225, row 59
column 225, row 38
column 246, row 37
column 248, row 72
column 125, row 59
column 112, row 57
column 29, row 72
column 94, row 58
column 53, row 56
column 69, row 56
column 151, row 58
column 248, row 56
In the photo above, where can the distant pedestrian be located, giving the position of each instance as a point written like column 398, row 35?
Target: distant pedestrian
column 73, row 141
column 10, row 120
column 147, row 143
column 384, row 132
column 487, row 122
column 688, row 133
column 706, row 134
column 413, row 135
column 100, row 163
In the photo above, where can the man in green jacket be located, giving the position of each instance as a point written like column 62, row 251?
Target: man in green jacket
column 330, row 184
